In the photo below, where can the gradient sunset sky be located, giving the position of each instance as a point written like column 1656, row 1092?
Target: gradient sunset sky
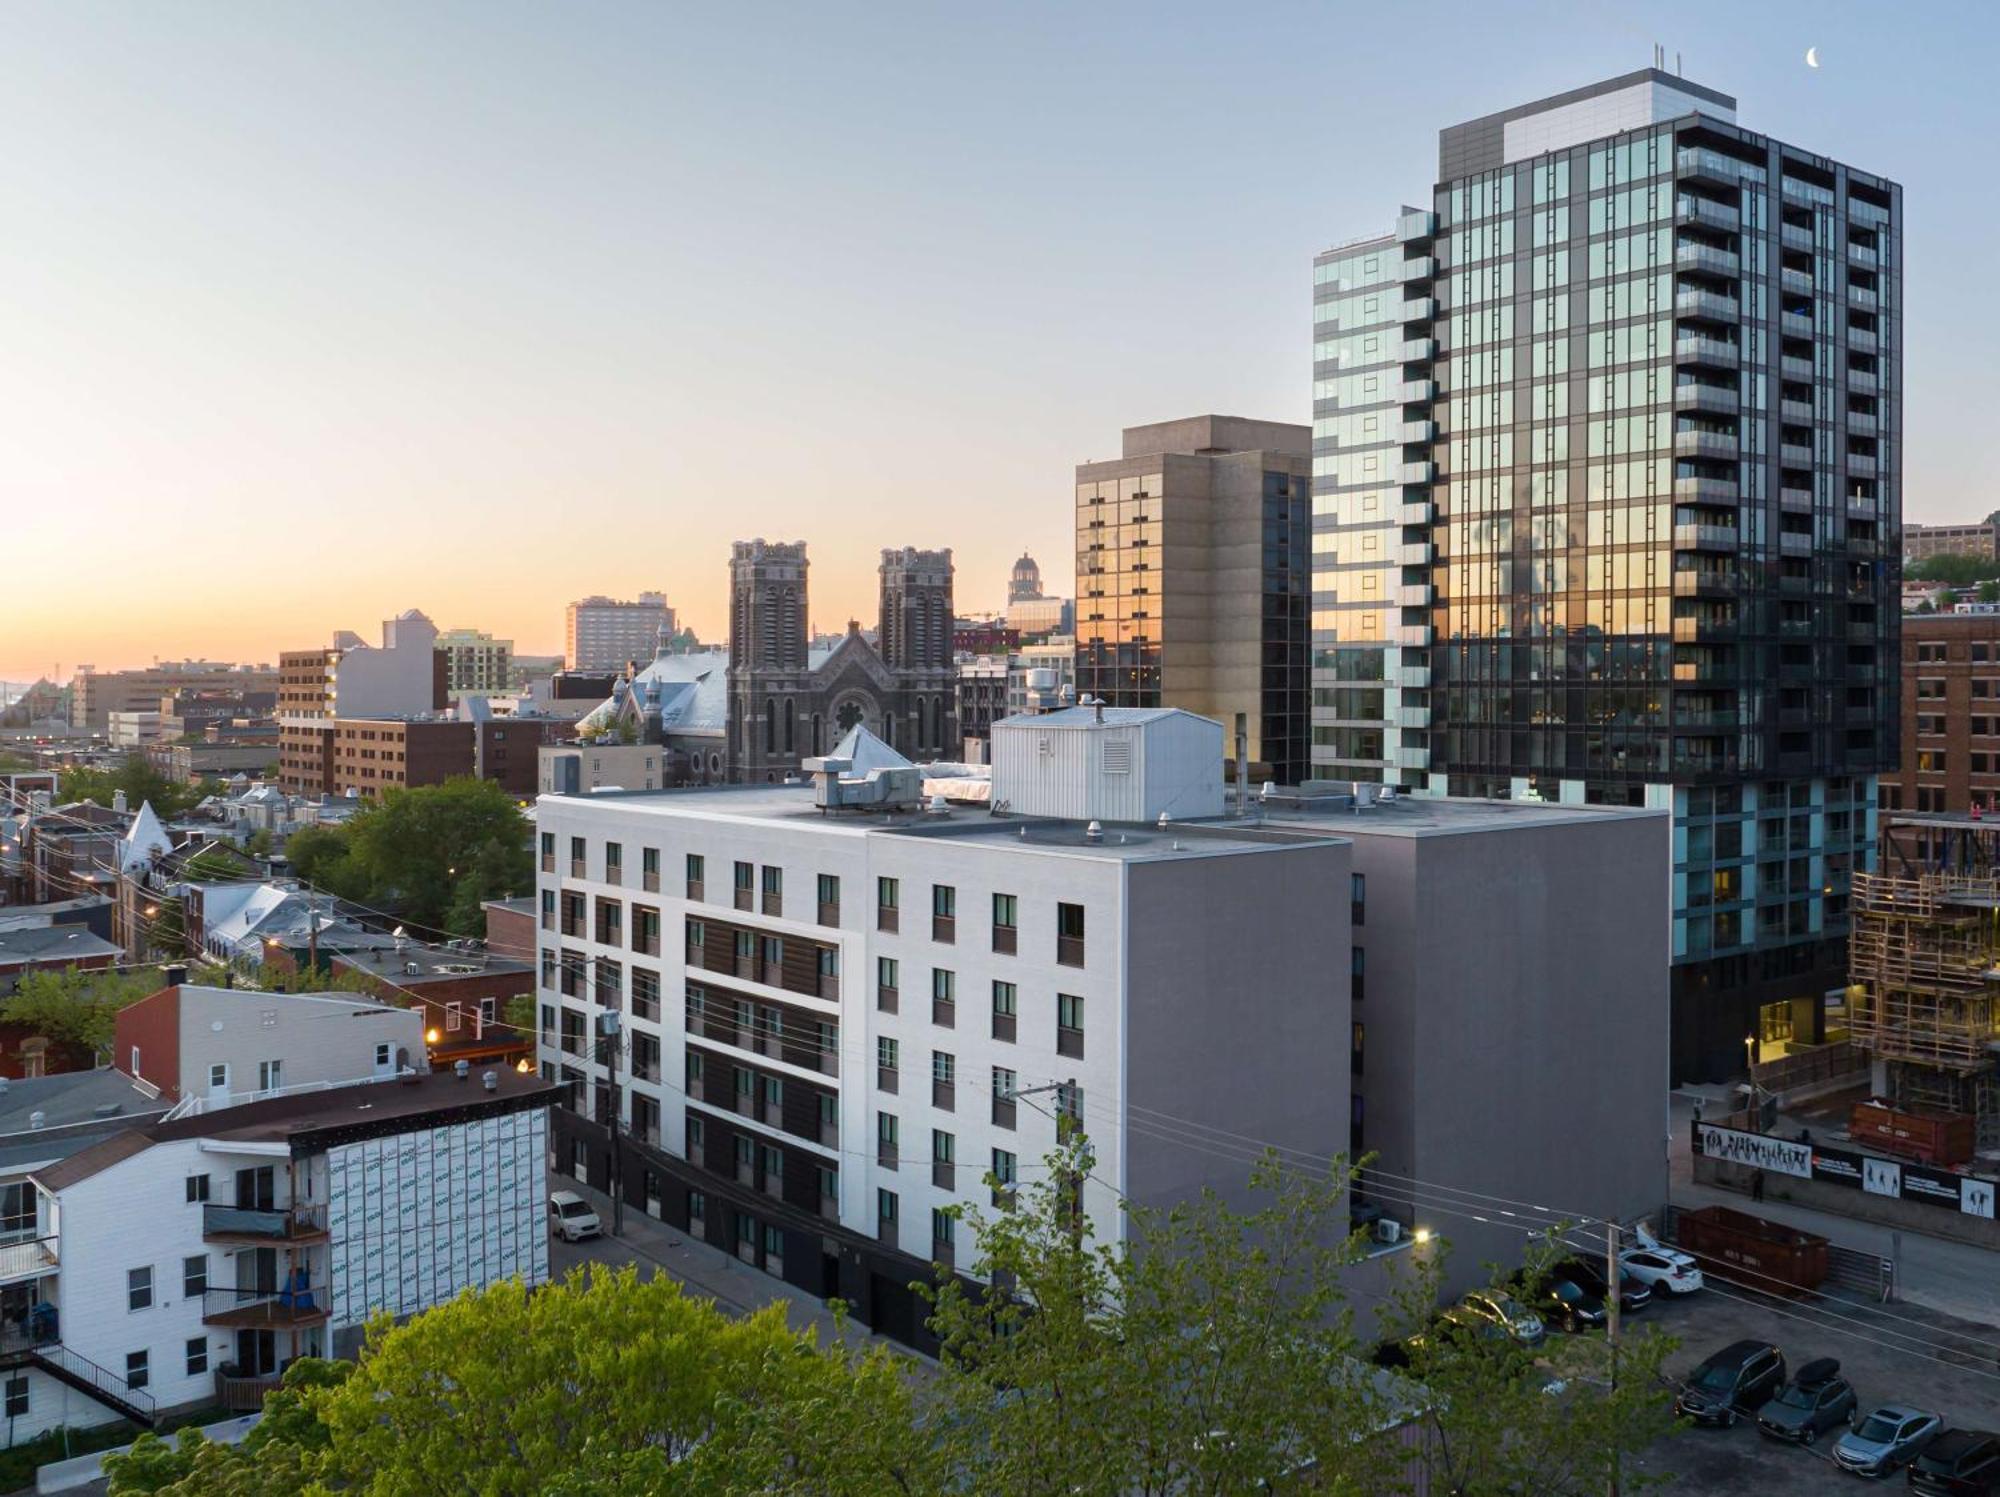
column 319, row 312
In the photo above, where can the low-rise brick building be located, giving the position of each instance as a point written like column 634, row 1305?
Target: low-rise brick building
column 1950, row 715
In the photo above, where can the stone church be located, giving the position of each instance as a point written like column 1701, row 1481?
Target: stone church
column 790, row 700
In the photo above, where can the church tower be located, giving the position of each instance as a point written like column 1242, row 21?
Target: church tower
column 767, row 655
column 915, row 644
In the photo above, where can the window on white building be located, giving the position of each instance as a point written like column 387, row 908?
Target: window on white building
column 137, row 1373
column 138, row 1288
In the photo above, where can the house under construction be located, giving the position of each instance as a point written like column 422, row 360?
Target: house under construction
column 1924, row 967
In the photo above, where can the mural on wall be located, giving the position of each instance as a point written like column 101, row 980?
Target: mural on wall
column 418, row 1217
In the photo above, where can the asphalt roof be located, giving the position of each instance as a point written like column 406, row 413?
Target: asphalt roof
column 53, row 943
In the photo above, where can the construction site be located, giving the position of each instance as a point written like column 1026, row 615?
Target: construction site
column 1924, row 970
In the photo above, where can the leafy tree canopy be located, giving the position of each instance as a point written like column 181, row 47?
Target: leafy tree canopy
column 75, row 1006
column 431, row 854
column 1960, row 571
column 140, row 782
column 597, row 1385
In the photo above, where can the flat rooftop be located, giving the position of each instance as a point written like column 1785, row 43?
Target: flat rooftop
column 1333, row 816
column 386, row 961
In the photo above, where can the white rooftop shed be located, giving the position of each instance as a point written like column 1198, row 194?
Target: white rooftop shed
column 1130, row 764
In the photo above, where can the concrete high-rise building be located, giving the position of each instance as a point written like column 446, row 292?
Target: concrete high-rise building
column 1981, row 541
column 474, row 661
column 604, row 634
column 1607, row 457
column 98, row 694
column 350, row 680
column 1192, row 578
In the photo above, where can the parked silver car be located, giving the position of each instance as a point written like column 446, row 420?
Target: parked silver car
column 1894, row 1435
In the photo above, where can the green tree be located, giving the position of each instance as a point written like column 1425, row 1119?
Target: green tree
column 1947, row 600
column 216, row 864
column 1989, row 591
column 76, row 1006
column 1960, row 571
column 319, row 855
column 1510, row 1420
column 434, row 853
column 259, row 843
column 1209, row 1351
column 597, row 1385
column 139, row 780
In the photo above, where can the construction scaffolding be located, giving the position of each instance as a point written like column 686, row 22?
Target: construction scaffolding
column 1924, row 994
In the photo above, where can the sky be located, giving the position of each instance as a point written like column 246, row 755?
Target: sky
column 320, row 312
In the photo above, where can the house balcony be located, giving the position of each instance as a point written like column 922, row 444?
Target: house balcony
column 1416, row 226
column 1863, row 297
column 1710, row 353
column 1419, row 350
column 1862, row 382
column 1798, row 369
column 1417, row 553
column 1795, row 542
column 1703, row 630
column 1693, row 210
column 1721, row 445
column 1861, row 424
column 1862, row 255
column 1706, row 490
column 1418, row 431
column 1414, row 718
column 244, row 1395
column 1795, row 324
column 1705, row 537
column 1414, row 595
column 27, row 1258
column 1416, row 512
column 1861, row 340
column 1796, row 280
column 1417, row 473
column 1861, row 509
column 1692, row 301
column 1413, row 677
column 1410, row 756
column 1795, row 236
column 1420, row 309
column 1723, row 400
column 296, row 1225
column 1419, row 268
column 1797, row 412
column 1795, row 501
column 1707, row 259
column 1417, row 391
column 1412, row 636
column 1699, row 164
column 1694, row 583
column 1791, row 455
column 264, row 1309
column 1860, row 465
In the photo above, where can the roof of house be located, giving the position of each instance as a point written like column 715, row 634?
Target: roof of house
column 1087, row 717
column 431, row 965
column 53, row 943
column 145, row 839
column 326, row 1117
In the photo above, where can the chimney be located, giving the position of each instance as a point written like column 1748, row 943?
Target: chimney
column 119, row 802
column 490, row 1081
column 174, row 974
column 461, row 1069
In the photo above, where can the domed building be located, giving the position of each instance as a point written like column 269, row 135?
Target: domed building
column 1025, row 583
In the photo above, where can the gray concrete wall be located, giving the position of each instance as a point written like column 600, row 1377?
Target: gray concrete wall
column 1236, row 1012
column 1540, row 1044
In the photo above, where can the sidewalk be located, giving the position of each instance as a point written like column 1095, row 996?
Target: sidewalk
column 1953, row 1277
column 735, row 1286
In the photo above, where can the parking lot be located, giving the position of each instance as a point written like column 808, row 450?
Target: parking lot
column 1963, row 1385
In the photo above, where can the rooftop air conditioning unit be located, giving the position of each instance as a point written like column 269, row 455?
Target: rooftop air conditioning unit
column 1388, row 1230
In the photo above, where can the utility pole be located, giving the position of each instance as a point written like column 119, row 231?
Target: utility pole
column 312, row 937
column 609, row 1037
column 1612, row 1269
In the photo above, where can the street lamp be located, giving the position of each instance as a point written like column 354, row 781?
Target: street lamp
column 431, row 1036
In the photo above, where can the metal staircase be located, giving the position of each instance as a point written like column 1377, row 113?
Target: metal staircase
column 100, row 1383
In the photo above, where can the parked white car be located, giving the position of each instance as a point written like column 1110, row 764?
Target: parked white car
column 1663, row 1268
column 571, row 1217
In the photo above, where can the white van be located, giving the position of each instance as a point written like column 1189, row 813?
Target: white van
column 571, row 1217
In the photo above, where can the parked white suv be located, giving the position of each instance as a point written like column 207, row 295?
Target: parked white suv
column 571, row 1217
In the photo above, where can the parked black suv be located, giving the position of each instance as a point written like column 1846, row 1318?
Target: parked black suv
column 1589, row 1277
column 1737, row 1380
column 1817, row 1399
column 1961, row 1462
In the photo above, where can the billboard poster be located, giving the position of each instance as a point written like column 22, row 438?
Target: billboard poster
column 1780, row 1156
column 1971, row 1195
column 1882, row 1177
column 1976, row 1197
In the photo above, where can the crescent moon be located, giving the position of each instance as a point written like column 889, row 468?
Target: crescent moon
column 1812, row 57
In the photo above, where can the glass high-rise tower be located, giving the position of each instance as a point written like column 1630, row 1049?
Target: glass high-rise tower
column 1607, row 457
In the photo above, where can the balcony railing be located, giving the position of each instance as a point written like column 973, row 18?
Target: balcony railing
column 1003, row 1027
column 944, row 928
column 27, row 1258
column 255, row 1309
column 1006, row 939
column 829, row 913
column 944, row 1174
column 944, row 1012
column 293, row 1224
column 1069, row 951
column 885, row 917
column 944, row 1095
